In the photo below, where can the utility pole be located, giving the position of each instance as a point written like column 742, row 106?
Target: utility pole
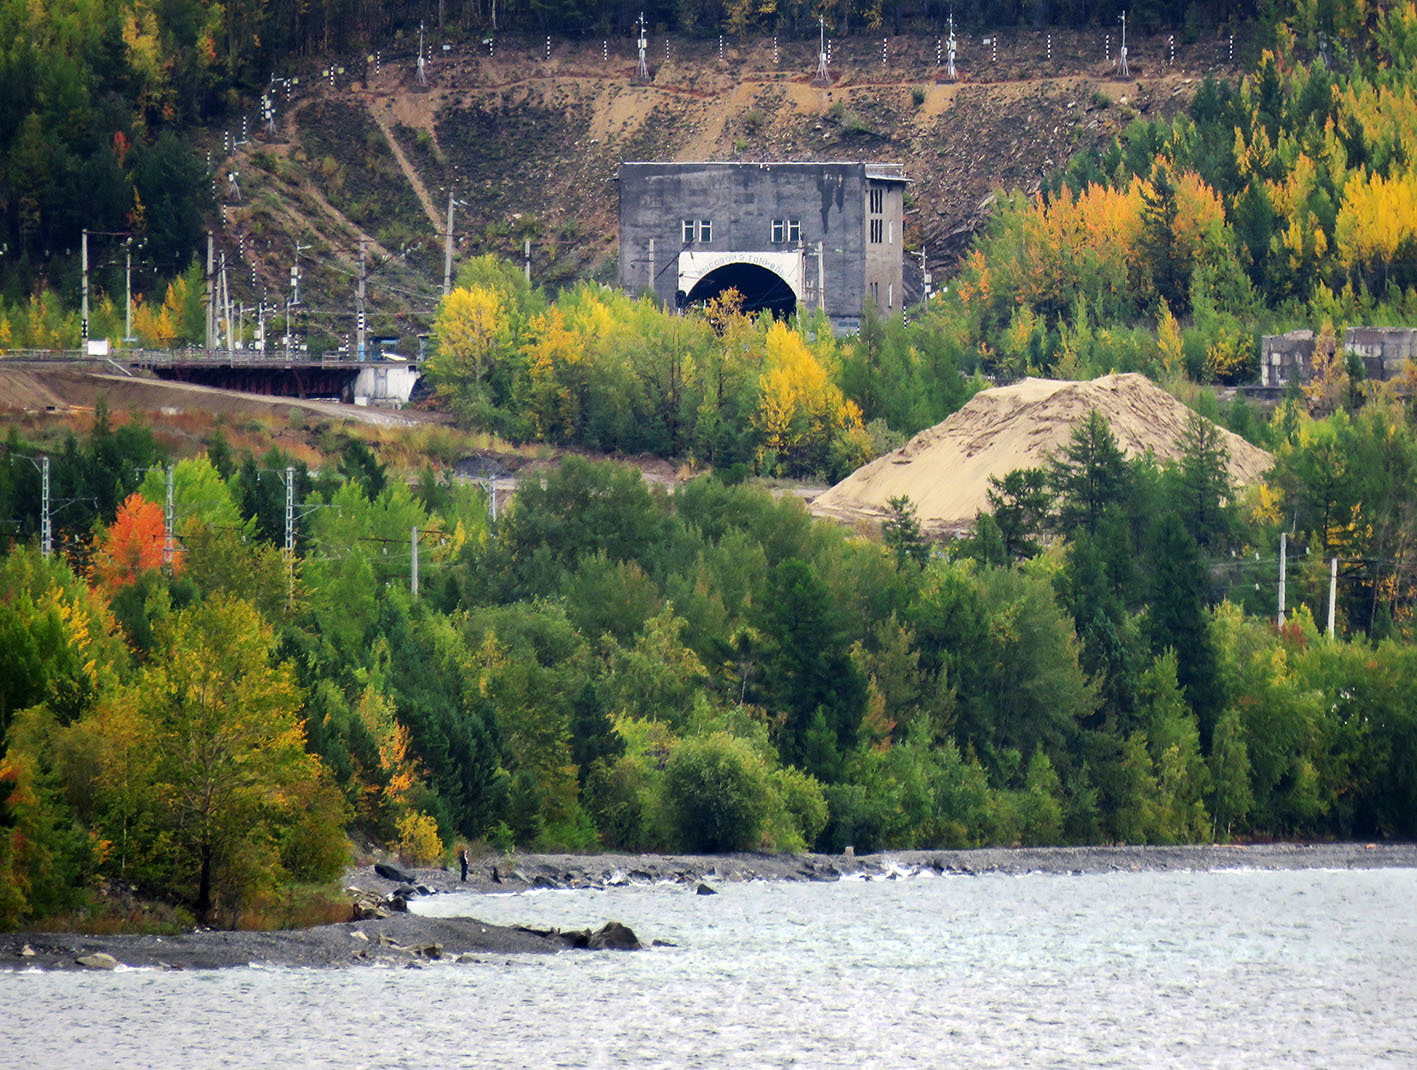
column 46, row 528
column 413, row 574
column 168, row 517
column 208, row 291
column 359, row 303
column 1283, row 554
column 950, row 72
column 224, row 335
column 128, row 291
column 293, row 301
column 642, row 71
column 290, row 510
column 84, row 298
column 1122, row 54
column 821, row 277
column 526, row 260
column 448, row 249
column 924, row 275
column 823, row 76
column 1332, row 591
column 650, row 284
column 422, row 71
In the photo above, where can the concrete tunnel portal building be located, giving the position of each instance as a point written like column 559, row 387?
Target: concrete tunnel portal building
column 787, row 236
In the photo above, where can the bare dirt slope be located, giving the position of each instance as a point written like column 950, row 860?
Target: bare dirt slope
column 945, row 469
column 61, row 388
column 531, row 145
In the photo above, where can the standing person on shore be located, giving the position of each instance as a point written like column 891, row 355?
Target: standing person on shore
column 462, row 861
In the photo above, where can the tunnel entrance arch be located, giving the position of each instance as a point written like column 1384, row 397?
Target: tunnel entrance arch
column 769, row 282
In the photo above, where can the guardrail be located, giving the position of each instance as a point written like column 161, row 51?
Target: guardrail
column 167, row 357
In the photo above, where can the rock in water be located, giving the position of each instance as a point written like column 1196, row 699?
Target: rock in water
column 392, row 873
column 704, row 889
column 99, row 960
column 614, row 936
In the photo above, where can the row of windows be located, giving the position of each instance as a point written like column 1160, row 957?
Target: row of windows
column 787, row 231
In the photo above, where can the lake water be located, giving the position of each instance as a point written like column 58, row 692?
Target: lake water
column 1236, row 968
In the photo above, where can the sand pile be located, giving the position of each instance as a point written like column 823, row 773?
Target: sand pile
column 945, row 470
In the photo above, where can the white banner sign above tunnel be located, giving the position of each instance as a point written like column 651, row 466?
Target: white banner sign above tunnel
column 694, row 265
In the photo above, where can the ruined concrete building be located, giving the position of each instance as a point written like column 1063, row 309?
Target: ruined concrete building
column 1287, row 358
column 786, row 236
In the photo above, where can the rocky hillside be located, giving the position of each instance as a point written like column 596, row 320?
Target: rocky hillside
column 530, row 146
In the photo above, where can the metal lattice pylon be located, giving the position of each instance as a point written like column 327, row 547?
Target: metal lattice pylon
column 642, row 72
column 950, row 71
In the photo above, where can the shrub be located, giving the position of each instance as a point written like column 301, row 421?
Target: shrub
column 854, row 124
column 801, row 813
column 717, row 793
column 418, row 843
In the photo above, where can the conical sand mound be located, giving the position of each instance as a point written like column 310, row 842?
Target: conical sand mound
column 945, row 470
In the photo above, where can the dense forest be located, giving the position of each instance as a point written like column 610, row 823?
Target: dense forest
column 203, row 715
column 608, row 665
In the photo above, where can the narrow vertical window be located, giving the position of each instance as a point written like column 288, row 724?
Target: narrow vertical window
column 794, row 230
column 777, row 231
column 705, row 231
column 689, row 231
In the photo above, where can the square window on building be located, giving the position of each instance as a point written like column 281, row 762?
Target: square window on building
column 777, row 232
column 794, row 230
column 705, row 231
column 877, row 229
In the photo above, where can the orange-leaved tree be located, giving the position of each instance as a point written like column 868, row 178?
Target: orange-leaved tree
column 133, row 544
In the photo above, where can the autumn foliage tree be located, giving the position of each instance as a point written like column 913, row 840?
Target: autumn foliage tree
column 133, row 544
column 234, row 803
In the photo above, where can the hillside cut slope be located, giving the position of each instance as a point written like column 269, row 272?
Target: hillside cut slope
column 530, row 146
column 945, row 469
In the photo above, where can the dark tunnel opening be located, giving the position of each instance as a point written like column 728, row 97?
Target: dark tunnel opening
column 761, row 289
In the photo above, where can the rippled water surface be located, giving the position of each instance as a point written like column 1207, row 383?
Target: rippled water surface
column 1306, row 969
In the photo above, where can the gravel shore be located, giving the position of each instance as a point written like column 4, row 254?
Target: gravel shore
column 409, row 940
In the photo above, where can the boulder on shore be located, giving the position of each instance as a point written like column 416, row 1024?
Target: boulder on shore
column 613, row 936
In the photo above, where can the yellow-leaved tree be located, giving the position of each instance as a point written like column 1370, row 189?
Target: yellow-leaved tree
column 473, row 331
column 804, row 422
column 232, row 804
